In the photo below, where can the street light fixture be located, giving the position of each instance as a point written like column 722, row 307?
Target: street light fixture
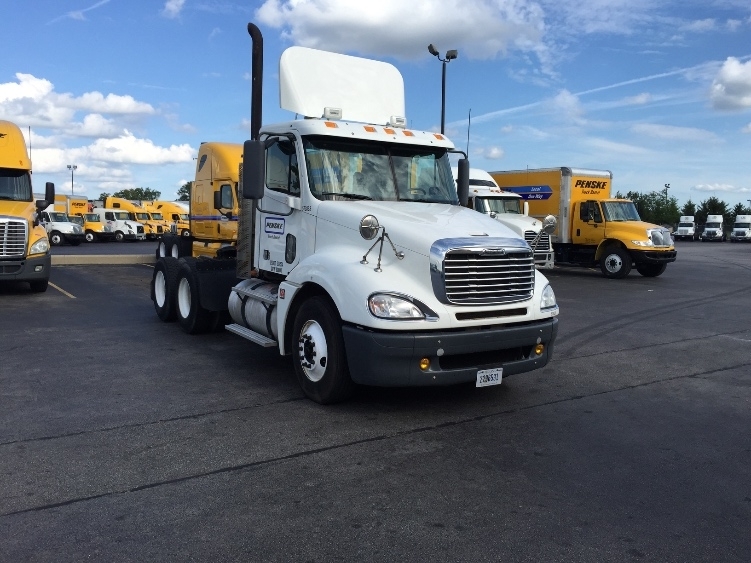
column 450, row 56
column 667, row 187
column 72, row 168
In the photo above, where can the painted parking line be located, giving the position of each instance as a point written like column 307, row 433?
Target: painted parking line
column 62, row 291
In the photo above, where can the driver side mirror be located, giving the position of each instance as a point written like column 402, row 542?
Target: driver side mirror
column 462, row 181
column 253, row 171
column 42, row 204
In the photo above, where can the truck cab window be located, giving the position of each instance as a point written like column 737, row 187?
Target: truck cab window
column 590, row 211
column 225, row 197
column 281, row 168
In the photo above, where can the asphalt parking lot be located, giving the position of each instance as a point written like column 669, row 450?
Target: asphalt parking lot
column 123, row 439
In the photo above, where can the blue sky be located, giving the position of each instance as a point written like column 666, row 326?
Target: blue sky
column 658, row 92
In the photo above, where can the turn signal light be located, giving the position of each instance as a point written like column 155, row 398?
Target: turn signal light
column 539, row 349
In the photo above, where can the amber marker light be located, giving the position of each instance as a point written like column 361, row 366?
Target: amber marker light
column 539, row 349
column 331, row 124
column 389, row 131
column 370, row 129
column 424, row 364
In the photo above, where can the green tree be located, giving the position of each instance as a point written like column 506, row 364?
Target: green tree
column 739, row 209
column 138, row 194
column 711, row 206
column 103, row 196
column 183, row 194
column 689, row 208
column 655, row 208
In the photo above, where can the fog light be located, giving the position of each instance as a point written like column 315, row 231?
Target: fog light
column 539, row 349
column 424, row 364
column 38, row 268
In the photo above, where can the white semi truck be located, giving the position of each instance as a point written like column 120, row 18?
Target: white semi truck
column 510, row 209
column 714, row 229
column 348, row 263
column 741, row 229
column 686, row 229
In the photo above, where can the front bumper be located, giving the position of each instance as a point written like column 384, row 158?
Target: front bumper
column 746, row 237
column 74, row 238
column 26, row 269
column 390, row 359
column 654, row 257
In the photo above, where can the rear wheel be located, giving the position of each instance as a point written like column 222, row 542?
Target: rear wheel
column 651, row 270
column 193, row 318
column 318, row 353
column 615, row 262
column 163, row 288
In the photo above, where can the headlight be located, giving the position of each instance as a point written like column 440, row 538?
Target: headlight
column 40, row 247
column 389, row 306
column 547, row 299
column 643, row 242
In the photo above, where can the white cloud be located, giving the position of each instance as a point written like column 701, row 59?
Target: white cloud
column 131, row 150
column 733, row 25
column 747, row 128
column 673, row 133
column 479, row 29
column 566, row 106
column 720, row 188
column 621, row 17
column 731, row 89
column 493, row 153
column 700, row 26
column 608, row 146
column 172, row 8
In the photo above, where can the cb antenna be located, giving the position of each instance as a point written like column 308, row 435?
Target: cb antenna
column 469, row 123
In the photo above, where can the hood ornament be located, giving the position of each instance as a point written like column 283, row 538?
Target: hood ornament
column 369, row 228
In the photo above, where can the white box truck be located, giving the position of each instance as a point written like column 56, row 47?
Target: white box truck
column 348, row 264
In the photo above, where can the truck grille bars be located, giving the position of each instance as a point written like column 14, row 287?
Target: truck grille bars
column 12, row 238
column 482, row 275
column 661, row 237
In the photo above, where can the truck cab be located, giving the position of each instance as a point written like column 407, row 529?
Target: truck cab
column 714, row 229
column 686, row 228
column 60, row 229
column 741, row 229
column 120, row 223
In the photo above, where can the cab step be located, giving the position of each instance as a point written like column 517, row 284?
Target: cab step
column 248, row 334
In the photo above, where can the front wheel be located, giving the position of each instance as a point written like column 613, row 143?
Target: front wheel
column 56, row 239
column 318, row 353
column 89, row 236
column 119, row 236
column 651, row 270
column 615, row 262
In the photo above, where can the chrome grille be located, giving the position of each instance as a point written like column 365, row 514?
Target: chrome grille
column 139, row 229
column 477, row 276
column 13, row 238
column 543, row 245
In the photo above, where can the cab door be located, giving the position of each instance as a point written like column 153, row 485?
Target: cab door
column 588, row 227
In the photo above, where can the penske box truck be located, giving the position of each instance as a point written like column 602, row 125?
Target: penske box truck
column 345, row 263
column 593, row 228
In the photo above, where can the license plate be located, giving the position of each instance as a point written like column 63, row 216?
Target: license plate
column 486, row 377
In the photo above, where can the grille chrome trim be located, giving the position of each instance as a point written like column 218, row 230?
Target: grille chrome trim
column 500, row 270
column 14, row 237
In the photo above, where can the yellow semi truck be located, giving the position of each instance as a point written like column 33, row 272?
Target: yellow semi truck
column 24, row 246
column 173, row 213
column 593, row 228
column 213, row 205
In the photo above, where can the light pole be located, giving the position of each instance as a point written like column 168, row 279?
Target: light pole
column 450, row 56
column 72, row 168
column 667, row 187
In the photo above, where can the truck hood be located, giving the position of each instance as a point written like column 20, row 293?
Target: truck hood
column 416, row 226
column 520, row 223
column 24, row 209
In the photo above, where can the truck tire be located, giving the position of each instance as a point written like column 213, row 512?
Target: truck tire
column 651, row 270
column 56, row 239
column 89, row 236
column 119, row 236
column 615, row 262
column 193, row 318
column 163, row 288
column 318, row 353
column 39, row 286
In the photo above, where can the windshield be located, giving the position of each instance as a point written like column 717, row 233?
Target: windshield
column 142, row 216
column 713, row 225
column 91, row 218
column 349, row 170
column 743, row 225
column 184, row 217
column 59, row 217
column 620, row 211
column 498, row 205
column 122, row 215
column 15, row 184
column 157, row 216
column 77, row 219
column 685, row 224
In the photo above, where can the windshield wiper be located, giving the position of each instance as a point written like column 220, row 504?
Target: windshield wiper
column 426, row 200
column 348, row 196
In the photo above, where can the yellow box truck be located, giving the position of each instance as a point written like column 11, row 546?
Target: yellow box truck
column 213, row 205
column 593, row 228
column 24, row 246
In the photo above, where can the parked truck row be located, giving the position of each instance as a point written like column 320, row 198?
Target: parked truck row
column 349, row 245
